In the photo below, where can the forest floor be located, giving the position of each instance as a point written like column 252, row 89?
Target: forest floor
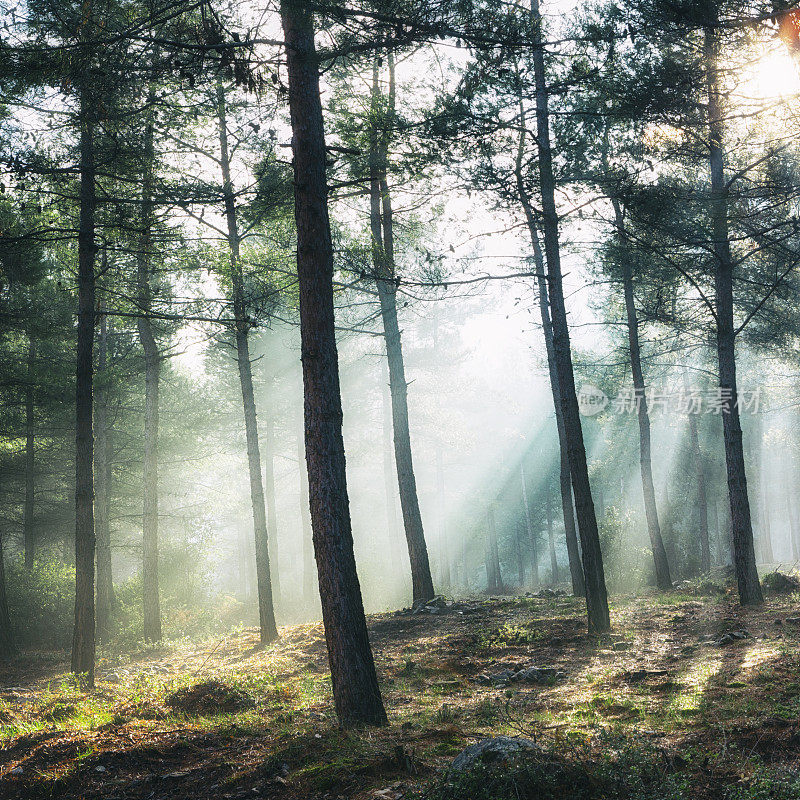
column 709, row 687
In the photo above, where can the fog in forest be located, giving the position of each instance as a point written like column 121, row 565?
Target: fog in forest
column 392, row 391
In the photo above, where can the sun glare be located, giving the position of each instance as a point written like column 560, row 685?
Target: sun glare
column 776, row 74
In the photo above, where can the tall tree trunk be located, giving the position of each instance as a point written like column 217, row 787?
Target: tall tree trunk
column 741, row 523
column 526, row 507
column 396, row 553
column 596, row 596
column 266, row 609
column 551, row 538
column 270, row 498
column 83, row 643
column 565, row 480
column 152, row 374
column 702, row 501
column 105, row 585
column 381, row 226
column 355, row 685
column 663, row 577
column 7, row 648
column 28, row 524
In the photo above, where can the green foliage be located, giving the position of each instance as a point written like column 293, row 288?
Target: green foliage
column 183, row 617
column 769, row 787
column 626, row 769
column 41, row 602
column 626, row 565
column 509, row 635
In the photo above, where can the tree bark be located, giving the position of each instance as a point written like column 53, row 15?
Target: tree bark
column 105, row 585
column 596, row 596
column 396, row 555
column 28, row 523
column 356, row 694
column 663, row 577
column 741, row 522
column 565, row 480
column 381, row 226
column 266, row 609
column 83, row 641
column 152, row 373
column 702, row 500
column 7, row 648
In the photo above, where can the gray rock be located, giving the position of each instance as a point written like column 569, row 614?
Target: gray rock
column 497, row 750
column 538, row 675
column 517, row 673
column 549, row 593
column 498, row 678
column 730, row 637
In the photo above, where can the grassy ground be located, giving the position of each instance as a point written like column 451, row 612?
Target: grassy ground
column 725, row 718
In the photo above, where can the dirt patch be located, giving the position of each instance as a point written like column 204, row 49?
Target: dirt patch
column 209, row 697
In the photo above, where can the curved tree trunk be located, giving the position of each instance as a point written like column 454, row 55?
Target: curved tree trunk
column 381, row 226
column 663, row 577
column 741, row 523
column 266, row 609
column 594, row 577
column 355, row 685
column 83, row 643
column 565, row 479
